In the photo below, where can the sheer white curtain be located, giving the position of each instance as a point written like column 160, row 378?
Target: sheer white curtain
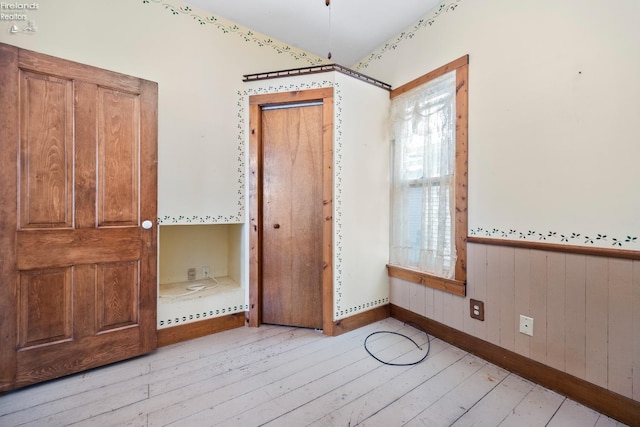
column 423, row 129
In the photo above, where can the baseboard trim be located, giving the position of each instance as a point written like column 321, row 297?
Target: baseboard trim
column 600, row 399
column 361, row 319
column 189, row 331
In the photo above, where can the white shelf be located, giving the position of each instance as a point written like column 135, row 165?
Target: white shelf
column 189, row 290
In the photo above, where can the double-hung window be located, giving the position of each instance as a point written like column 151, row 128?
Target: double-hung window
column 429, row 195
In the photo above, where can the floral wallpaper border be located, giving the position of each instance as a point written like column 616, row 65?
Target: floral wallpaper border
column 228, row 27
column 208, row 219
column 573, row 238
column 349, row 311
column 423, row 23
column 206, row 314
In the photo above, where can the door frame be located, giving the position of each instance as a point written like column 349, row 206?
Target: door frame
column 256, row 102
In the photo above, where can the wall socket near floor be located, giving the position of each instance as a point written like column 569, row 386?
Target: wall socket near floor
column 205, row 271
column 477, row 309
column 191, row 273
column 526, row 325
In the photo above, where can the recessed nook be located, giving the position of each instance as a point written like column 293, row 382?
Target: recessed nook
column 213, row 251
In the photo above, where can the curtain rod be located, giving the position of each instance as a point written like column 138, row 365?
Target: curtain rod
column 313, row 70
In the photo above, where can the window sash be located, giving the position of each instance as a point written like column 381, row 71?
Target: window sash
column 423, row 126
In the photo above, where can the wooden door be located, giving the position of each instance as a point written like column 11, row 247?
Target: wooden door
column 292, row 216
column 78, row 271
column 262, row 298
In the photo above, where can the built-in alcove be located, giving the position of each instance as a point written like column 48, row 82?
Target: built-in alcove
column 214, row 252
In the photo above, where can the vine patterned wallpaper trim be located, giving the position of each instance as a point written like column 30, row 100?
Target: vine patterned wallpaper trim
column 567, row 238
column 228, row 27
column 408, row 34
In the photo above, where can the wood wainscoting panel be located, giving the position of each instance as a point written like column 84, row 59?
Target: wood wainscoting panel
column 620, row 332
column 556, row 312
column 575, row 308
column 522, row 302
column 597, row 320
column 539, row 305
column 492, row 315
column 479, row 289
column 508, row 298
column 636, row 327
column 418, row 298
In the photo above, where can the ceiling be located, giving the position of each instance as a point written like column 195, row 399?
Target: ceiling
column 349, row 29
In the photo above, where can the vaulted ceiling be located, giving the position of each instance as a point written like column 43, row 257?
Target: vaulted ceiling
column 349, row 29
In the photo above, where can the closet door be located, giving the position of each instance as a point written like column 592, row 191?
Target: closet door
column 292, row 219
column 291, row 209
column 78, row 269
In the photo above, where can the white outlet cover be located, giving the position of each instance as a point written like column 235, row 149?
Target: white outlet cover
column 526, row 325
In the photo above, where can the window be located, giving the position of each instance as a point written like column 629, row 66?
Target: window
column 429, row 197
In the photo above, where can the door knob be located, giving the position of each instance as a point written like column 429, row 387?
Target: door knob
column 276, row 225
column 146, row 224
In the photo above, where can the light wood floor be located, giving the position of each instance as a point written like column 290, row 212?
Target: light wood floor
column 282, row 376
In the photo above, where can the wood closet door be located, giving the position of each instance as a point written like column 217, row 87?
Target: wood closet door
column 78, row 272
column 292, row 221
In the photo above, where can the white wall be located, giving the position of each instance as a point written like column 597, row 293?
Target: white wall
column 553, row 107
column 361, row 218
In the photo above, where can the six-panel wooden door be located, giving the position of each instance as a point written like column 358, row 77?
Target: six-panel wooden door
column 78, row 155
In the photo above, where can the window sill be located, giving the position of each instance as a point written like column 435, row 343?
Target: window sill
column 452, row 286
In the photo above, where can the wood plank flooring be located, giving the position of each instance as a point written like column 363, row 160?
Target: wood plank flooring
column 283, row 376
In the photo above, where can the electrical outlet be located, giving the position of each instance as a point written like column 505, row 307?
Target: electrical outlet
column 205, row 271
column 526, row 325
column 191, row 273
column 477, row 309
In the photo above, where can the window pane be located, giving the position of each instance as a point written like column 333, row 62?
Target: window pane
column 423, row 123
